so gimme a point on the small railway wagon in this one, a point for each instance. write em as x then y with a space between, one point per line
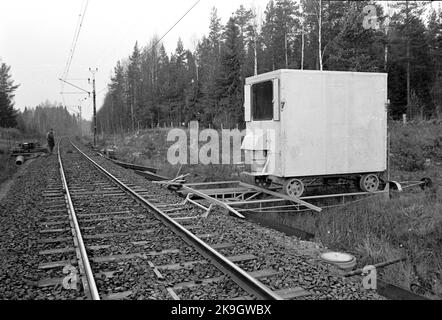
316 128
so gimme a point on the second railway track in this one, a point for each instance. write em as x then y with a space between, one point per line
139 245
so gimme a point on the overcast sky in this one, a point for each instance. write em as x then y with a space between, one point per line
36 37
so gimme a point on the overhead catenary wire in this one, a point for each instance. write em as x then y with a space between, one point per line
73 47
75 40
187 12
167 32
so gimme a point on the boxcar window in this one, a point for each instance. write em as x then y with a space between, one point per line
262 101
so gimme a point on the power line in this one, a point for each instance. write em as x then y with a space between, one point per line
72 44
73 47
76 36
158 41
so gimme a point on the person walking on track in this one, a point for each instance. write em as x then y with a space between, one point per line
51 140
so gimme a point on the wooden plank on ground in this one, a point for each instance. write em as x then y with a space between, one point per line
53 223
181 219
219 246
54 230
134 166
292 293
118 234
55 251
83 215
50 282
263 273
173 294
56 264
242 258
117 296
55 240
117 257
203 282
177 266
96 248
151 176
282 196
191 284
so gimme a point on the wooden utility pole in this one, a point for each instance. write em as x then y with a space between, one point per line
286 49
93 71
408 78
386 28
81 121
256 57
320 35
255 40
81 116
132 111
302 45
409 111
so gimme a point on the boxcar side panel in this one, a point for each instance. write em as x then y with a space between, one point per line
333 123
303 125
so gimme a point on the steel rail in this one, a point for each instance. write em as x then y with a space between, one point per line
83 253
241 277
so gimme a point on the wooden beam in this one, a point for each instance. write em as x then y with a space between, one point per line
283 196
215 201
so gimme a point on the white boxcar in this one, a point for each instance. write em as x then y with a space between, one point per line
306 126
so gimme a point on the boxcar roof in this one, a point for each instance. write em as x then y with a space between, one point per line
277 73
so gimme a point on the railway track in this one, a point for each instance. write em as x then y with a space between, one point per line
106 246
118 236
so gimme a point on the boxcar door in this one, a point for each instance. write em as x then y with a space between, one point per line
262 115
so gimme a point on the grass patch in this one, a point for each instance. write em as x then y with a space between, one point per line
413 147
149 148
376 231
7 167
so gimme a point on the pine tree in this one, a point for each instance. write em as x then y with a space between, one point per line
279 34
355 48
118 104
134 78
191 94
246 22
435 43
268 36
178 82
7 89
150 96
410 62
230 84
164 85
205 103
208 57
215 32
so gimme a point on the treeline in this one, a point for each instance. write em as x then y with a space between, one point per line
152 88
7 88
46 116
36 121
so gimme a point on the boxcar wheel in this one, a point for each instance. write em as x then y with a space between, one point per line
294 188
369 183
